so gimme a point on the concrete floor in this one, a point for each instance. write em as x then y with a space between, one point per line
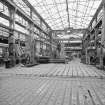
53 84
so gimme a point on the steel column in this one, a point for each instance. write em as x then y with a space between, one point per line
103 35
11 39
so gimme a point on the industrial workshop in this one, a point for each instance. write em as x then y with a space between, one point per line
52 52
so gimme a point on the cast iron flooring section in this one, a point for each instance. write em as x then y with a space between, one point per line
53 84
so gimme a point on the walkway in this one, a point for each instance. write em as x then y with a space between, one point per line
53 84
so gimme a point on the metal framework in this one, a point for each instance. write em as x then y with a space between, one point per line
23 28
61 13
94 37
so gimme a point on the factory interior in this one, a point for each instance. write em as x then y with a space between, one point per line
52 52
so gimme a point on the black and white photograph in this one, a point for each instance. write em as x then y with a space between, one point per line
52 52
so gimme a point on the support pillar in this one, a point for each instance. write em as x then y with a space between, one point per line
32 44
96 33
101 57
50 34
103 35
11 40
86 52
41 43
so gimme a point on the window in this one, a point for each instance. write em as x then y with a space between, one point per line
4 21
35 18
22 6
21 29
4 9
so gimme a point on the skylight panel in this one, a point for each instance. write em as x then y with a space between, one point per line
49 1
55 14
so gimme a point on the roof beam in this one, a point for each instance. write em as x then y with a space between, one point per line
67 9
68 2
74 31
